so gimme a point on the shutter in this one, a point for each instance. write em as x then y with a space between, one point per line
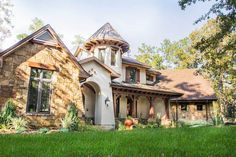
127 74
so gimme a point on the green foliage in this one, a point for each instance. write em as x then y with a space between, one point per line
43 130
217 61
5 19
8 112
78 41
36 25
177 142
150 55
18 124
71 120
178 54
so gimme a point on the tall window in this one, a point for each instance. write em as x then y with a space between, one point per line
184 106
101 55
113 57
39 91
132 75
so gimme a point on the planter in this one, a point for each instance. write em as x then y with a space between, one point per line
128 124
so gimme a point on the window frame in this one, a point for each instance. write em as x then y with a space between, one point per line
137 74
184 104
197 105
41 81
113 52
149 76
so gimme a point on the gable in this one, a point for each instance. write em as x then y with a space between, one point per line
45 36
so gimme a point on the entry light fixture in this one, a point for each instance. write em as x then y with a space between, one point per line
107 101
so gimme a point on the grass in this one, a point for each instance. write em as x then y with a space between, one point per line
179 142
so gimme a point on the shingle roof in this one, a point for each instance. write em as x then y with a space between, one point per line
147 88
186 81
131 61
106 34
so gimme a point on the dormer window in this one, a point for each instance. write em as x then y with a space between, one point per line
132 75
149 77
101 55
113 57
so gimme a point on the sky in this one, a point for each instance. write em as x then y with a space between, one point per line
137 21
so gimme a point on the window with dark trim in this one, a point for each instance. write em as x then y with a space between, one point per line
113 57
149 77
184 106
199 107
39 91
132 75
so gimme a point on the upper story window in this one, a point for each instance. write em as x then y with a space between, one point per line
132 75
39 91
101 55
149 77
113 57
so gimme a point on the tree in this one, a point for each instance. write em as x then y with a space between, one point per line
36 25
150 55
218 62
178 54
5 19
78 41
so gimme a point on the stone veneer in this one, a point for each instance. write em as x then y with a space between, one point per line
14 80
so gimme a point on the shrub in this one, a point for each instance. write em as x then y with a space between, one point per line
8 112
43 130
18 124
71 120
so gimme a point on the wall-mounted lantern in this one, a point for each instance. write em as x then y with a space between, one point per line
107 101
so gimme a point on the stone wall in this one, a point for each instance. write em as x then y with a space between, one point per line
14 81
192 114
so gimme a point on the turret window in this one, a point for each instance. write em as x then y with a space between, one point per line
113 57
101 55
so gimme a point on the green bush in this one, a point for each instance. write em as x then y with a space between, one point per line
43 130
18 123
8 112
71 120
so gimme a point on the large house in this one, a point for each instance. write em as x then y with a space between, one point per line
43 77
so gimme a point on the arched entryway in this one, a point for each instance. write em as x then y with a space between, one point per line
91 98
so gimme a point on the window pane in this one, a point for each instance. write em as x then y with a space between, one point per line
33 96
45 97
132 75
113 57
35 73
47 74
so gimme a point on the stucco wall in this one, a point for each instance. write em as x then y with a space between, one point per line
143 107
89 104
159 107
14 80
100 79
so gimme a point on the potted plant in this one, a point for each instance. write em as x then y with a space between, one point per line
129 123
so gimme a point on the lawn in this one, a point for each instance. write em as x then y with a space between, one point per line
208 141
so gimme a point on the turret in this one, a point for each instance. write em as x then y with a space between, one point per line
108 46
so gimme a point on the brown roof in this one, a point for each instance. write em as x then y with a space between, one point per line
106 34
186 81
131 61
114 74
83 73
145 88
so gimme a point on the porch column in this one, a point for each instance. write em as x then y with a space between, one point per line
166 101
151 107
134 113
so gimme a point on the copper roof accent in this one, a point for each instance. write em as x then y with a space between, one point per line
106 35
145 88
131 61
114 74
83 73
187 81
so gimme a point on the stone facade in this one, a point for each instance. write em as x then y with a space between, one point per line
191 113
15 75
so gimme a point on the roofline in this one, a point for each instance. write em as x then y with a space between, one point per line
113 73
151 90
193 100
7 51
